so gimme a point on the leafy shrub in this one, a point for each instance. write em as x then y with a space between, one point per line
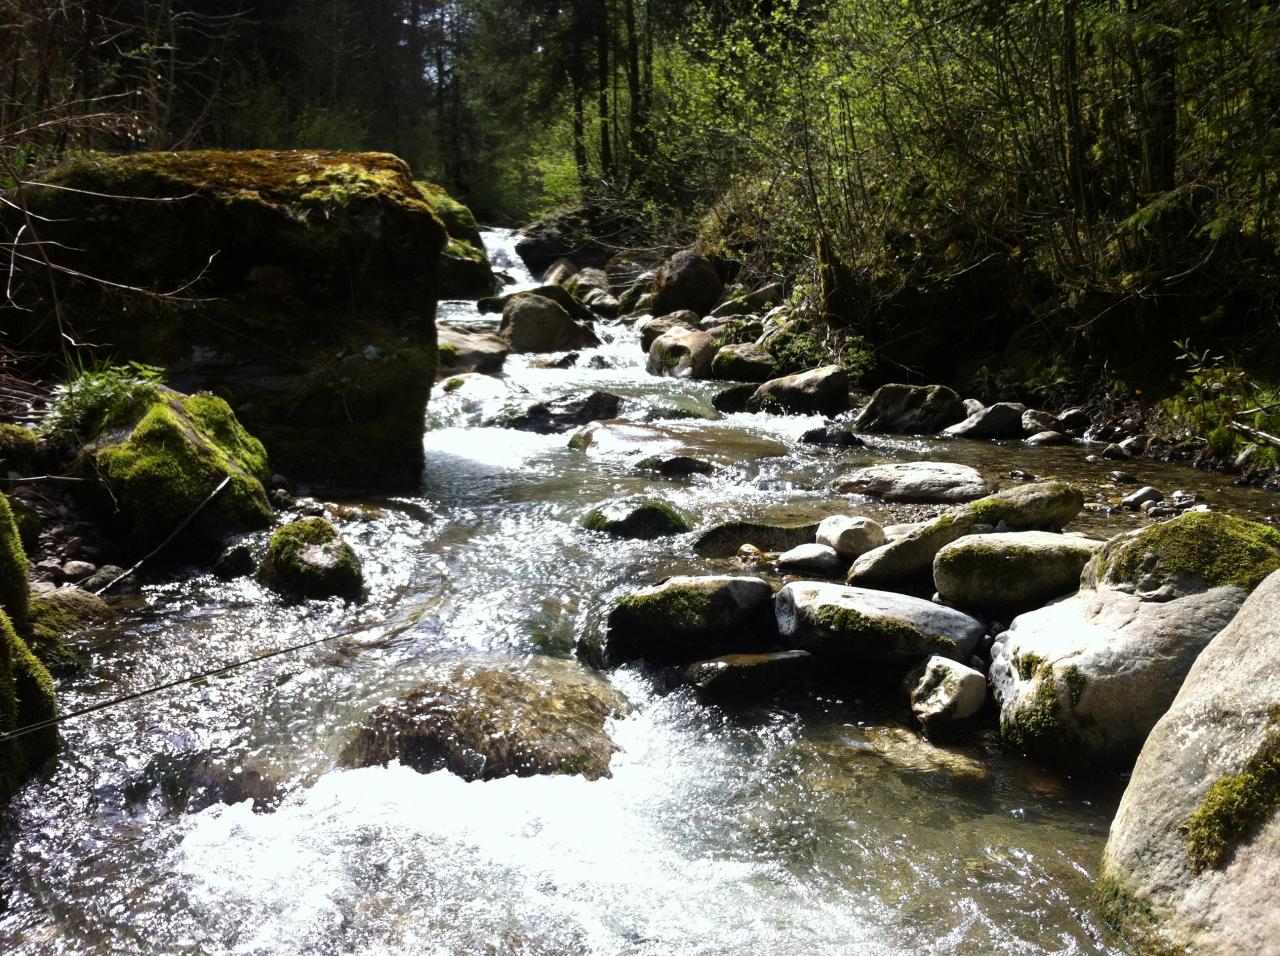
97 398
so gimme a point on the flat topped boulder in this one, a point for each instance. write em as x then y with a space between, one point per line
915 481
859 624
482 720
910 410
725 540
625 439
819 391
465 351
1010 572
314 314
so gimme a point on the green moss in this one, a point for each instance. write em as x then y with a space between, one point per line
309 559
644 521
577 442
458 219
26 698
55 616
18 446
175 455
1076 682
1028 665
449 354
1037 728
673 608
1131 917
14 586
1216 548
1236 806
893 638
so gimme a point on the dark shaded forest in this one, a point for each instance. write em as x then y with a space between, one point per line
1011 196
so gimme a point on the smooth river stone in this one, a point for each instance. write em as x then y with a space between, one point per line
916 481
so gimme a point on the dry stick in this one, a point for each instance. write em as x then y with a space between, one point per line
1254 434
176 531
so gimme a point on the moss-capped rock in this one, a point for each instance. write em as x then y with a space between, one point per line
458 219
158 468
1193 552
643 520
54 616
26 690
18 446
313 313
463 271
309 559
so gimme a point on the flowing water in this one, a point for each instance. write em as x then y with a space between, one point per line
215 818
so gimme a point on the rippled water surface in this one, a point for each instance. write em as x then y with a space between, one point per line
214 818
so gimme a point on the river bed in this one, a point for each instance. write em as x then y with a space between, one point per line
215 819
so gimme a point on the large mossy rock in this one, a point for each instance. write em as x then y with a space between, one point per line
687 619
1081 682
1193 859
907 561
643 520
463 271
160 455
307 558
18 447
26 690
999 574
313 304
485 720
56 615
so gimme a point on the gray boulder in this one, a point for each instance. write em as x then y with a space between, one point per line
820 391
651 330
1081 682
907 561
1073 421
915 481
681 353
687 280
1035 421
857 624
1010 572
850 535
688 619
557 294
462 351
742 363
1193 859
814 559
532 323
910 410
1001 420
725 540
1046 438
945 696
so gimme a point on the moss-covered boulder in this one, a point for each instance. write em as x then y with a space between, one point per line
159 455
1082 681
486 720
1193 859
26 690
57 615
463 271
313 304
1000 574
309 559
687 619
1188 554
644 520
18 447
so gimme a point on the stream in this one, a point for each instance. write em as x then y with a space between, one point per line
214 818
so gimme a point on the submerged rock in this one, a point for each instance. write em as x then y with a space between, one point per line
833 433
857 624
726 540
750 677
910 410
1193 859
915 481
483 720
688 619
1010 572
733 399
307 558
644 521
819 391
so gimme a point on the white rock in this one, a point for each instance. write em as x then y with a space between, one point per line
850 535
